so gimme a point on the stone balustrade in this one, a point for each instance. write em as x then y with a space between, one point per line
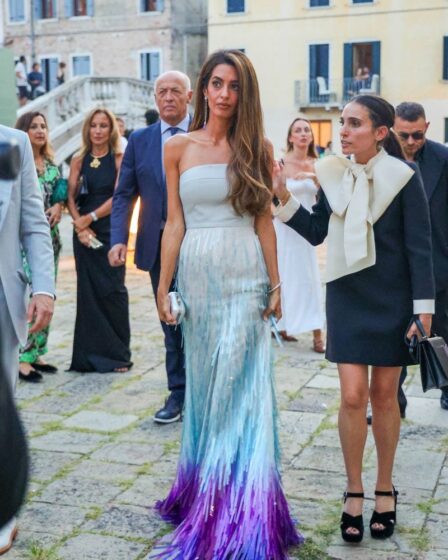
66 106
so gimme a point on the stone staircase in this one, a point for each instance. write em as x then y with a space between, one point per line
66 106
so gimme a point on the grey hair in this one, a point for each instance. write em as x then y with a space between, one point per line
175 73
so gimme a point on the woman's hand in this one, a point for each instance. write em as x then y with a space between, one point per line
85 235
426 320
274 306
54 214
279 183
82 222
163 306
301 175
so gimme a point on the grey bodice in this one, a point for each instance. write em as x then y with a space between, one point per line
203 191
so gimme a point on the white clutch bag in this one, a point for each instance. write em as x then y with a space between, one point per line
177 307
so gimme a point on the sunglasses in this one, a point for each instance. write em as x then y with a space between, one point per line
415 135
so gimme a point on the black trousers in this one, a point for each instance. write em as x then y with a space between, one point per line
439 327
175 361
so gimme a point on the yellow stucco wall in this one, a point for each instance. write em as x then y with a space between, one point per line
276 36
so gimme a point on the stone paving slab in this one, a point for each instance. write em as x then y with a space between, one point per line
129 453
106 471
68 441
100 547
146 491
54 519
46 464
79 491
99 421
126 521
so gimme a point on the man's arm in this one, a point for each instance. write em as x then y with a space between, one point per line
122 204
36 242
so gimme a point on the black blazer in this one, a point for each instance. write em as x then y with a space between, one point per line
403 228
432 160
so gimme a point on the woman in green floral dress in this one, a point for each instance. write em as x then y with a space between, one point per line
54 192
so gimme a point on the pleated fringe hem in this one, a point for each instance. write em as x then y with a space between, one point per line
235 522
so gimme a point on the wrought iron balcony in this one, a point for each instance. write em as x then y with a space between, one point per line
321 92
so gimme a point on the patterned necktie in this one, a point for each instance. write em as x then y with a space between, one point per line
174 130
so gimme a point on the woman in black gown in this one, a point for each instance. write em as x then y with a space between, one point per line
102 332
379 274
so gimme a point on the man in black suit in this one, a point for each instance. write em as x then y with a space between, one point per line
432 160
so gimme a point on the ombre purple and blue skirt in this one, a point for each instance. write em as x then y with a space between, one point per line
227 500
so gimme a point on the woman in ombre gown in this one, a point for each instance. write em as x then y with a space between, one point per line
227 498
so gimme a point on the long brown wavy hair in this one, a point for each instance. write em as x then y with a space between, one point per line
311 148
24 123
114 139
250 167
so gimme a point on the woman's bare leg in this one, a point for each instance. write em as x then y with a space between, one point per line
354 381
386 429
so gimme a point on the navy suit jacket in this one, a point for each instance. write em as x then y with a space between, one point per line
432 160
141 174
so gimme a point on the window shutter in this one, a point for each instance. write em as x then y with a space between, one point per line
90 7
16 10
159 5
313 62
154 66
445 58
55 9
348 60
69 8
376 58
316 3
235 6
37 6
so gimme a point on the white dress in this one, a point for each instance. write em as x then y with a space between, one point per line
302 306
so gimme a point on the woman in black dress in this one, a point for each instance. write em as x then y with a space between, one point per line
102 332
379 274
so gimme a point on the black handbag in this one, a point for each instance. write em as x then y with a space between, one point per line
13 455
432 355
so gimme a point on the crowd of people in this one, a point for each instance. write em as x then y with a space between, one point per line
31 85
231 230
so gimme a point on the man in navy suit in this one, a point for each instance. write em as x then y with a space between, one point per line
432 160
142 174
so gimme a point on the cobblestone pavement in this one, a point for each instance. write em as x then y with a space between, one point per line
99 461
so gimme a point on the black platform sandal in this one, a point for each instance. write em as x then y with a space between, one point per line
387 519
352 521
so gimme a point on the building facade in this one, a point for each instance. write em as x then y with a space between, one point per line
312 56
126 38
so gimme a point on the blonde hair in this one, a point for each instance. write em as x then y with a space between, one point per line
250 166
24 123
114 138
311 152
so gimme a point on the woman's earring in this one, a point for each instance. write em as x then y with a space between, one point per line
205 110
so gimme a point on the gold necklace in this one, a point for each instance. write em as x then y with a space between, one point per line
95 163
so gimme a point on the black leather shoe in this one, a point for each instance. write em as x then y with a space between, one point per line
32 377
46 368
171 412
402 402
444 399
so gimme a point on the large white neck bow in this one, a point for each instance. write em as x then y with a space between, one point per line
358 196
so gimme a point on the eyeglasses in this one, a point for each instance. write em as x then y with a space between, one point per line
415 135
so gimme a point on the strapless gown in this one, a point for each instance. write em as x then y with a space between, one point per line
227 498
302 306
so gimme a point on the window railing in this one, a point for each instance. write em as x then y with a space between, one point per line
321 92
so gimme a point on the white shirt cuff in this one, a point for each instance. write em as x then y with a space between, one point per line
424 306
44 294
286 212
